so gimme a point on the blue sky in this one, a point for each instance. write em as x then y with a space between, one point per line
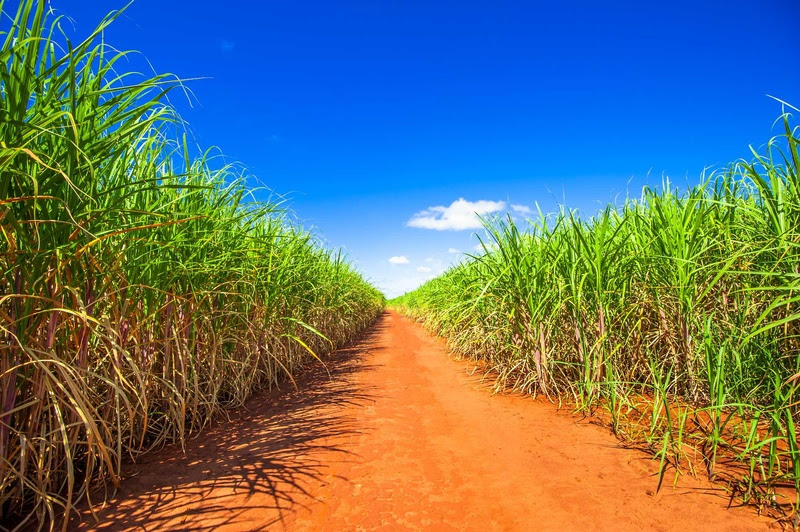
387 123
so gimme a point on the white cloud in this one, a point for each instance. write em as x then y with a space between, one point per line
489 246
460 215
402 259
522 209
405 279
453 250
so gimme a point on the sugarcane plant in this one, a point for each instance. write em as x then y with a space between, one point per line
143 286
675 312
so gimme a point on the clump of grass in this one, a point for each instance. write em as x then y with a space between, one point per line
141 290
673 307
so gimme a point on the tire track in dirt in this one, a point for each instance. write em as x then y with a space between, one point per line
401 437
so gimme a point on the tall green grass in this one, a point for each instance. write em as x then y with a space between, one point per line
141 291
676 312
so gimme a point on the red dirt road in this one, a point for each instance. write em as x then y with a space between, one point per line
401 437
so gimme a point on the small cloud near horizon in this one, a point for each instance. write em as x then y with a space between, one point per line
453 250
400 259
460 215
522 209
423 269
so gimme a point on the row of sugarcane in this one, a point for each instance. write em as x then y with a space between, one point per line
675 312
142 288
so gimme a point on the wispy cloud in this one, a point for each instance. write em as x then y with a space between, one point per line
460 215
400 259
453 250
522 209
488 246
225 45
403 279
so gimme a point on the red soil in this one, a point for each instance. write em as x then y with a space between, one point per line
400 437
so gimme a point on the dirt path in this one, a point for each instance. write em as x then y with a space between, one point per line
402 438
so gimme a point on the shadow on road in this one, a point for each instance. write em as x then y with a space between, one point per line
278 448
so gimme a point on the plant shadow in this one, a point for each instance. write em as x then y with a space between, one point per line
266 462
